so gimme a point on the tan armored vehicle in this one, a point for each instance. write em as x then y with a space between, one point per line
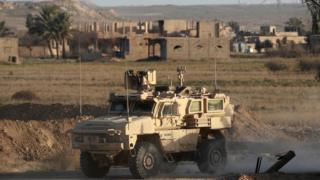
152 130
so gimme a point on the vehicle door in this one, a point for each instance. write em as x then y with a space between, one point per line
168 115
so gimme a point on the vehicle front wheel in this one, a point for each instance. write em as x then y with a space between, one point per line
90 167
212 156
146 162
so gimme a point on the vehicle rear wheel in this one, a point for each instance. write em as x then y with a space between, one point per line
147 161
212 156
90 167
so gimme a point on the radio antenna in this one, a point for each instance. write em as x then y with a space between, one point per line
127 94
215 74
181 70
80 79
215 67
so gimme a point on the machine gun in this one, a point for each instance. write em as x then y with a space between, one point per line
141 81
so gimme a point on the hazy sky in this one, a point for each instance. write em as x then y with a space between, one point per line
177 2
182 2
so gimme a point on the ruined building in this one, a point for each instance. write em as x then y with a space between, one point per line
9 50
164 39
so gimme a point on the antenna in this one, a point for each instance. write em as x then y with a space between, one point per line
127 91
127 84
215 74
80 81
181 70
215 67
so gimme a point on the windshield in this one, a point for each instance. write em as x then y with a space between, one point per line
118 107
136 107
143 107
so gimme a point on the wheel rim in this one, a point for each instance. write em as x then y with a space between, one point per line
148 161
215 157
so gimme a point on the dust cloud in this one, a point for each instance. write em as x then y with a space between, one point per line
244 160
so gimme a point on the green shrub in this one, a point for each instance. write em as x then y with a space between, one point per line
309 65
276 66
24 96
286 52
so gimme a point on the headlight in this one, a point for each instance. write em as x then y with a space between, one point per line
113 132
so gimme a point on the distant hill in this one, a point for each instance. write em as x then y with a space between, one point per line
14 13
251 16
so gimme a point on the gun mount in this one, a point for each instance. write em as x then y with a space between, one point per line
142 81
181 70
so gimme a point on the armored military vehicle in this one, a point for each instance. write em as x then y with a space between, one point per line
156 127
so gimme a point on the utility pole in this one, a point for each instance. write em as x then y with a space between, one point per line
80 72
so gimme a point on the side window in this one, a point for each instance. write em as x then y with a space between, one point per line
170 110
195 107
215 105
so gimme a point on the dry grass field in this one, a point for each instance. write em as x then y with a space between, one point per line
288 97
275 107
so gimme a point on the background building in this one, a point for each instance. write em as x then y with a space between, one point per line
9 50
164 39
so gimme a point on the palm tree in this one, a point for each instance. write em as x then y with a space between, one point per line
43 24
63 31
4 31
235 26
295 24
52 24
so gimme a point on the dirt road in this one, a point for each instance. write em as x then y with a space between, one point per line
119 173
123 173
183 171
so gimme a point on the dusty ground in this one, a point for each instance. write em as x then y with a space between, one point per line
276 112
121 173
41 148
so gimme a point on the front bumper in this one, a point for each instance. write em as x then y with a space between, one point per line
114 147
98 142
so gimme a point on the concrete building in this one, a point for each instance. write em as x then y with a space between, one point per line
268 30
244 48
271 35
275 37
164 39
6 5
40 49
289 36
9 50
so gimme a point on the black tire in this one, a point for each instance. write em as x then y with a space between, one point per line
212 156
147 161
90 168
